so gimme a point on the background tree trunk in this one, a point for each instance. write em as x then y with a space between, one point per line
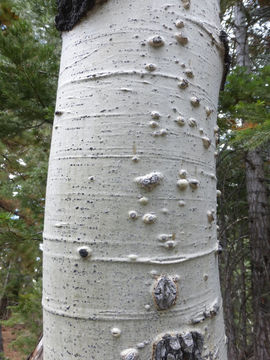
241 34
1 343
228 288
259 225
130 248
260 250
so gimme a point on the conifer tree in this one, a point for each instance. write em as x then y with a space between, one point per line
28 72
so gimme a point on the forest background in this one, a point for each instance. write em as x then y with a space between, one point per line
29 62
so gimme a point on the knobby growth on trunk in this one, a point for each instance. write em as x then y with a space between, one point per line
130 246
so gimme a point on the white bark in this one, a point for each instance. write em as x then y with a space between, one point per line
132 181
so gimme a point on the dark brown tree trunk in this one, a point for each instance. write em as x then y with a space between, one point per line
243 303
1 343
227 285
4 311
229 322
260 252
259 228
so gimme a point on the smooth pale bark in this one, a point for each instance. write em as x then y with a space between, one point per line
258 213
132 181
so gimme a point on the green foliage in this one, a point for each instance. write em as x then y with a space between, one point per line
22 192
29 62
2 357
245 107
233 234
28 312
244 122
257 16
28 70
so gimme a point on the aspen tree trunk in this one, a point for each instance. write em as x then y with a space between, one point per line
130 248
258 210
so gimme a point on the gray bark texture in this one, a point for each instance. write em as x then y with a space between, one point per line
1 341
130 243
260 251
241 36
259 220
185 347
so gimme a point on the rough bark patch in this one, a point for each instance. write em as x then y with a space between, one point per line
165 293
227 58
149 181
70 13
179 347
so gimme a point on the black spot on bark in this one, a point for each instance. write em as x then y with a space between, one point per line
179 347
165 293
219 249
70 13
83 253
58 113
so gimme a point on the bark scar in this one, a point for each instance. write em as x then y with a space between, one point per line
165 293
187 346
227 58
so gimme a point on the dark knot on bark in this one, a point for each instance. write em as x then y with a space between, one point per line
187 346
